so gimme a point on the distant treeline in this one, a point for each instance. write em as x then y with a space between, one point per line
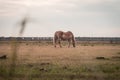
112 39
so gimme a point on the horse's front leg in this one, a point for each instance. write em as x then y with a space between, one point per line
68 43
54 43
59 43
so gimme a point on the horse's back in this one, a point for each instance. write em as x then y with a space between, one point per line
61 33
69 32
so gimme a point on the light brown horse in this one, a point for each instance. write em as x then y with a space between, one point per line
60 35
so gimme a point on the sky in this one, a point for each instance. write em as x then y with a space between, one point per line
85 18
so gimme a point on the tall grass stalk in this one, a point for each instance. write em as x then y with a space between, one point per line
15 47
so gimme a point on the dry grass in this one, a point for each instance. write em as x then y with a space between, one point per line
35 61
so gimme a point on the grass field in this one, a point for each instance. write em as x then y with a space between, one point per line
41 61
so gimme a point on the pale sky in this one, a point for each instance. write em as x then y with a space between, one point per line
85 18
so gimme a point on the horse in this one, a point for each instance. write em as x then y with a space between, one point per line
65 36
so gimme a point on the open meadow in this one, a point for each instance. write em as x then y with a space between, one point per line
41 61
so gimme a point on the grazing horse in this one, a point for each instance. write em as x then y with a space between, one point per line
60 35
